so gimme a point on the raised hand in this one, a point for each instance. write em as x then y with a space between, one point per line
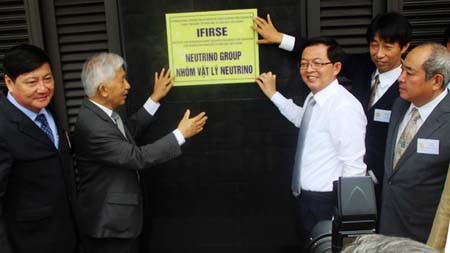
163 82
267 30
268 83
192 126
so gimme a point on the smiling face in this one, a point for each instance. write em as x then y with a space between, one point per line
320 76
115 92
33 90
386 55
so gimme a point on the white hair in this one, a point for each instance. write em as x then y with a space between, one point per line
386 244
100 68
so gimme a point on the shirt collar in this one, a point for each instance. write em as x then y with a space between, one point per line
426 109
387 78
103 108
29 113
322 96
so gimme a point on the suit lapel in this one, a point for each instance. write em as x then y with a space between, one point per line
391 92
439 116
24 124
100 113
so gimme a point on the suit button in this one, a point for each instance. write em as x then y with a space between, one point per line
77 179
390 182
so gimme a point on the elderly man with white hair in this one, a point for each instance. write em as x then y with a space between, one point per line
109 161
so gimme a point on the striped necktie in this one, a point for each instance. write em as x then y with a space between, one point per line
373 93
45 127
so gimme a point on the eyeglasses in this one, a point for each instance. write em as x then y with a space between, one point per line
314 64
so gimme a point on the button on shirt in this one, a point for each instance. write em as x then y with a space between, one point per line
334 144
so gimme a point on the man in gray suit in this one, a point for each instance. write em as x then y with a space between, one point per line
109 161
418 144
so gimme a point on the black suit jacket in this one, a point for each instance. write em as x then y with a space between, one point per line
109 192
36 186
359 68
412 191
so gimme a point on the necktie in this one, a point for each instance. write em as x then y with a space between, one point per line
373 93
406 136
45 127
295 184
119 123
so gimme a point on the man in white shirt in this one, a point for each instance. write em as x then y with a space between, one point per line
332 129
373 76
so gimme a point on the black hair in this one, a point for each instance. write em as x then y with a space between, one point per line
334 51
391 27
22 59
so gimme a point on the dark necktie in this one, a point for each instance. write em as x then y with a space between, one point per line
45 127
295 184
373 93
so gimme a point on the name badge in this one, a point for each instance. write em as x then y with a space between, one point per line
382 115
428 146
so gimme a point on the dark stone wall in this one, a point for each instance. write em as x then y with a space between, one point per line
230 190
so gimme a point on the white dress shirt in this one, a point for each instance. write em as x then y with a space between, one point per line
287 42
151 107
424 111
334 143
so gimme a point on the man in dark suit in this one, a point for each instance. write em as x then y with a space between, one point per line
109 161
36 172
418 144
373 76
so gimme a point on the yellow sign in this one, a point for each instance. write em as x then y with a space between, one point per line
212 47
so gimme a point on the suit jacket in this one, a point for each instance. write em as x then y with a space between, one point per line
36 187
359 69
412 191
109 192
439 230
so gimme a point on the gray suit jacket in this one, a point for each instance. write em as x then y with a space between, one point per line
109 191
411 191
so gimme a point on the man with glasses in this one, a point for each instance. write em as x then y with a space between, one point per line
328 117
373 76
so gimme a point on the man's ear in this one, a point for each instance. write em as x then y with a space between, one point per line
9 83
337 66
405 47
438 83
102 90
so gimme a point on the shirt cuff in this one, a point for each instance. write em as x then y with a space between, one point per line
287 42
278 99
151 107
179 136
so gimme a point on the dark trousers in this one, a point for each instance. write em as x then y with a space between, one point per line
312 207
111 245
